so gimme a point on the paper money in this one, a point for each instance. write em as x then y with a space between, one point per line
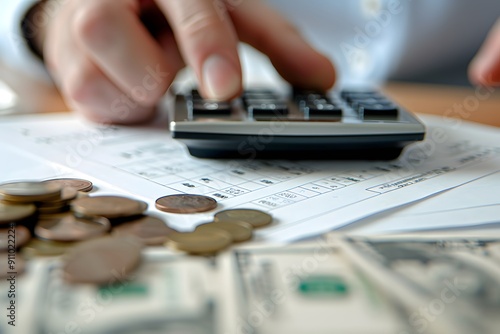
445 282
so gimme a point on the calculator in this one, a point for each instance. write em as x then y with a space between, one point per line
303 124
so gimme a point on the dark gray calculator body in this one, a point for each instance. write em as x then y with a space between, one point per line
306 125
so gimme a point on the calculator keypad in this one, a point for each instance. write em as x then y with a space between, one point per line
305 106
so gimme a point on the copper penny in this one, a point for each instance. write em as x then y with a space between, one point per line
70 228
14 237
102 261
185 203
110 207
151 231
77 184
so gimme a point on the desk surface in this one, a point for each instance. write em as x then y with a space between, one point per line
482 106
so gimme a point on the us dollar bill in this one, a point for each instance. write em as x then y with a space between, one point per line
446 281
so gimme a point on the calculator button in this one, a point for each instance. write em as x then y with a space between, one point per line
316 97
257 91
267 101
259 96
367 98
377 104
321 110
370 100
204 108
267 109
357 94
378 110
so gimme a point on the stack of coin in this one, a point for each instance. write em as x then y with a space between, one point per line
49 197
99 234
59 205
228 227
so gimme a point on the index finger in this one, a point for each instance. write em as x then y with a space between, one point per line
291 55
208 43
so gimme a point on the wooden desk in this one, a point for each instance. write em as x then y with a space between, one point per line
33 96
475 105
478 106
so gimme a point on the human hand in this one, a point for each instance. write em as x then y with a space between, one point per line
485 68
114 59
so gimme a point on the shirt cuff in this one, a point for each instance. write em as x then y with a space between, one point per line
14 49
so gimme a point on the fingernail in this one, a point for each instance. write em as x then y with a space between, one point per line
220 79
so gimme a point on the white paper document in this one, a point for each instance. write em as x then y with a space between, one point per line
304 197
473 204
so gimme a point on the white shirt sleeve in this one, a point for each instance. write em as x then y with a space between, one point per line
14 51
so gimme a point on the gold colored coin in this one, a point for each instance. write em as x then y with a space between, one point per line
37 247
12 212
255 218
76 184
27 192
110 207
200 242
70 228
102 261
16 239
151 231
185 203
239 231
11 263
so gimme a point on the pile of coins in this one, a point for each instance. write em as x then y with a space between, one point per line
102 235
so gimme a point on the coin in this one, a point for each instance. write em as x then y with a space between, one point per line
70 228
239 231
255 218
47 210
197 242
16 239
102 261
13 213
67 195
26 192
151 231
185 203
11 264
110 207
37 247
77 184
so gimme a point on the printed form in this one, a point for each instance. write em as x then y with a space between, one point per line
304 197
